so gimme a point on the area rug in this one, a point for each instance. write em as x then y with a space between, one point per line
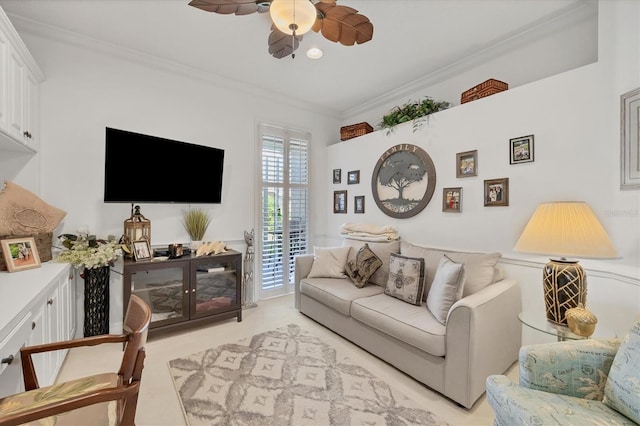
287 377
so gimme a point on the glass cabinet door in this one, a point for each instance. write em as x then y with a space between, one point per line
165 292
214 285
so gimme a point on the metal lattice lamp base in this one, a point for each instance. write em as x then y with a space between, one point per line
565 286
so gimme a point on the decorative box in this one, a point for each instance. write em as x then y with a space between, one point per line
487 88
354 130
43 243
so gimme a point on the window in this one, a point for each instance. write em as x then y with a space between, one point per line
284 207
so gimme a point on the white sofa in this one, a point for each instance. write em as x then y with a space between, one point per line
481 336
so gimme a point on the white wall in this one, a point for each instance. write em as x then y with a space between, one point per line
574 117
88 89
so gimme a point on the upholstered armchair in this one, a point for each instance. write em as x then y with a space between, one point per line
582 382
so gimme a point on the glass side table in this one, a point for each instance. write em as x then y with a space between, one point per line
540 323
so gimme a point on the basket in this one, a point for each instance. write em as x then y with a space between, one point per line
354 130
43 243
484 89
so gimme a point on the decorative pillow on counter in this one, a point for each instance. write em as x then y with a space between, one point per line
363 266
329 262
406 278
621 388
24 213
446 289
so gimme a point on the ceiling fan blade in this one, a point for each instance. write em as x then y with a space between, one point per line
342 24
281 44
226 7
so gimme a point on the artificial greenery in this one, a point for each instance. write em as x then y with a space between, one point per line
196 222
412 110
87 251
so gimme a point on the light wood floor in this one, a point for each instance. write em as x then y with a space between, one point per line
158 404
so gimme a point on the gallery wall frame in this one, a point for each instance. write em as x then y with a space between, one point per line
403 181
353 177
358 204
337 175
340 201
467 164
521 149
20 254
630 140
496 192
452 199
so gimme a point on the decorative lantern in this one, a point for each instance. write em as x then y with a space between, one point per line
137 227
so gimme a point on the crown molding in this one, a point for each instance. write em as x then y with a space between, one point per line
82 41
570 16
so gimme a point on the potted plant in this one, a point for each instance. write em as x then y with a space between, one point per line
196 222
412 110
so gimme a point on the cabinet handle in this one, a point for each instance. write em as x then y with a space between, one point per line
193 291
186 292
33 325
8 360
50 302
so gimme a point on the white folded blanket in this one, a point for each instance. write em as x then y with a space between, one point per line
368 232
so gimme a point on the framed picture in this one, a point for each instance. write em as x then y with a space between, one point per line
403 181
339 201
630 140
20 254
358 204
496 192
467 164
353 177
521 150
337 175
452 199
141 250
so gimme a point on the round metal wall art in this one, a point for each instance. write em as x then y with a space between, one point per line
403 181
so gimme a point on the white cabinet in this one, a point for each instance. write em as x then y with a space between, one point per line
20 80
48 316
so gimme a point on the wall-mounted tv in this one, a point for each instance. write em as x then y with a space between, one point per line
148 169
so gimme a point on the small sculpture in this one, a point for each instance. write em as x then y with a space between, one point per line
214 247
247 281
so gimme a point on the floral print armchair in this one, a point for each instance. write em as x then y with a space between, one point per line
582 382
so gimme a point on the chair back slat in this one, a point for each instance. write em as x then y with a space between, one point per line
136 325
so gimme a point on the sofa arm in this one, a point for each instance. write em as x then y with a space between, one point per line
483 336
302 267
577 368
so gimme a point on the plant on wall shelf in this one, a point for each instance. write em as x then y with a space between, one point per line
196 222
416 111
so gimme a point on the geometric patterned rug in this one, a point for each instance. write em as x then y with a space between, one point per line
287 376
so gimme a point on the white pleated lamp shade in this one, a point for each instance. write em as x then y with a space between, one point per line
566 229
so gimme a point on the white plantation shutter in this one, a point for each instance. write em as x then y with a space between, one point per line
284 201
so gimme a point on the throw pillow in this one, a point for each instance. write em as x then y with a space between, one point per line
621 388
329 262
24 213
382 249
446 289
406 278
363 266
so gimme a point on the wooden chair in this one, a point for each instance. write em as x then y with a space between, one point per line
101 399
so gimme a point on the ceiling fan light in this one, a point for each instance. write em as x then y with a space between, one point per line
288 15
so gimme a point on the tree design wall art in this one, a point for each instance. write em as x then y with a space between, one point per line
403 181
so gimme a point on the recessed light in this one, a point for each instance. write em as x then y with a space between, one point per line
315 53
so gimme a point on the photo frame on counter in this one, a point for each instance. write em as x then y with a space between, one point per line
20 254
142 250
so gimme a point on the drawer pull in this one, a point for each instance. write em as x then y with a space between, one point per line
8 360
50 302
33 325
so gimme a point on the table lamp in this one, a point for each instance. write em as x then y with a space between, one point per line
567 228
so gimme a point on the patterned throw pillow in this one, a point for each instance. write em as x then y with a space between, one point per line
363 266
621 389
446 289
406 278
24 213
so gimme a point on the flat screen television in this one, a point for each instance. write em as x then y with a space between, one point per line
148 169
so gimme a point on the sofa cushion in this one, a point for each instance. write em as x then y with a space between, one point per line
406 278
363 266
622 387
329 262
446 288
382 249
335 293
414 325
480 267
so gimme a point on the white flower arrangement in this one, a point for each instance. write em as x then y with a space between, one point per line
87 251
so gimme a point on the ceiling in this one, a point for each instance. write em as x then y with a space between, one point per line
412 39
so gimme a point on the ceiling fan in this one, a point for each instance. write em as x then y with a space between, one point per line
292 18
